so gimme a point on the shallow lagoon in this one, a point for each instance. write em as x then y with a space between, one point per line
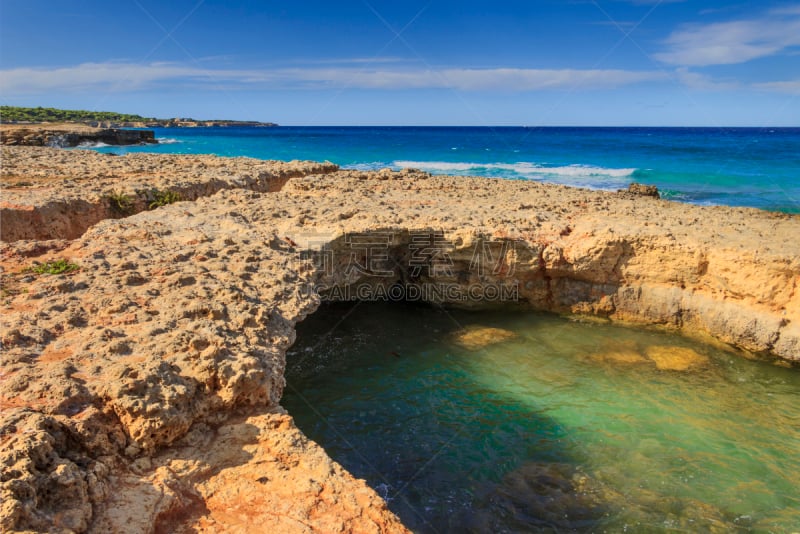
566 425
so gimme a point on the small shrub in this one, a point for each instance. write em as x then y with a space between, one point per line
120 203
162 198
54 267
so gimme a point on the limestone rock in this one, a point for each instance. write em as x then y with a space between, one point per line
644 190
80 188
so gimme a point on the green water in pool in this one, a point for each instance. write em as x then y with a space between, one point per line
533 422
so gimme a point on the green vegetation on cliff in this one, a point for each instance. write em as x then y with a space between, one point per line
110 119
18 114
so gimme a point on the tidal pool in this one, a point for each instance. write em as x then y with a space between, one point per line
513 422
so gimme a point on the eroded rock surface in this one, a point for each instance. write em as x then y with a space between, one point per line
255 473
157 366
58 194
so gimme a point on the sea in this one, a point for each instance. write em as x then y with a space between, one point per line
753 167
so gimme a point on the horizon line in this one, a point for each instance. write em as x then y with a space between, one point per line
519 126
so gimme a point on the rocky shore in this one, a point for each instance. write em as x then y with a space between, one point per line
140 388
70 135
57 194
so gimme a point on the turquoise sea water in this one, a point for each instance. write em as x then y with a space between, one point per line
738 167
542 432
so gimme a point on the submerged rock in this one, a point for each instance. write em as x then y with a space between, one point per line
669 358
561 497
477 337
619 356
540 496
665 357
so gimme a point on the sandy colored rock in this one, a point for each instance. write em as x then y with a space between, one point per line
644 190
476 337
178 320
252 474
59 194
669 358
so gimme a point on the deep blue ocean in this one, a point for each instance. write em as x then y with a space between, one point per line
757 167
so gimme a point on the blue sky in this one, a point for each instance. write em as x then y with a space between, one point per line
535 62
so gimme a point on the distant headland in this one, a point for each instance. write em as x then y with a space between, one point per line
70 128
109 119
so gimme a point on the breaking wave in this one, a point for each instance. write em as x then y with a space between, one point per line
520 169
92 144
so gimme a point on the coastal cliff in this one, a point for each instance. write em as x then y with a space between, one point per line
71 135
155 363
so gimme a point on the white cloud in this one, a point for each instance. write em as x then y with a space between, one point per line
703 82
123 77
502 79
790 86
725 43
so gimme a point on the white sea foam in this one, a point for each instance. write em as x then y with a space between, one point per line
520 169
169 141
92 144
372 166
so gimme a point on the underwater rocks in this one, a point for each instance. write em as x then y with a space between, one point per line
560 497
675 358
664 357
624 356
476 337
544 496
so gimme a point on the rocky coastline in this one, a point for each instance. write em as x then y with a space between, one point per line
71 135
181 123
140 388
